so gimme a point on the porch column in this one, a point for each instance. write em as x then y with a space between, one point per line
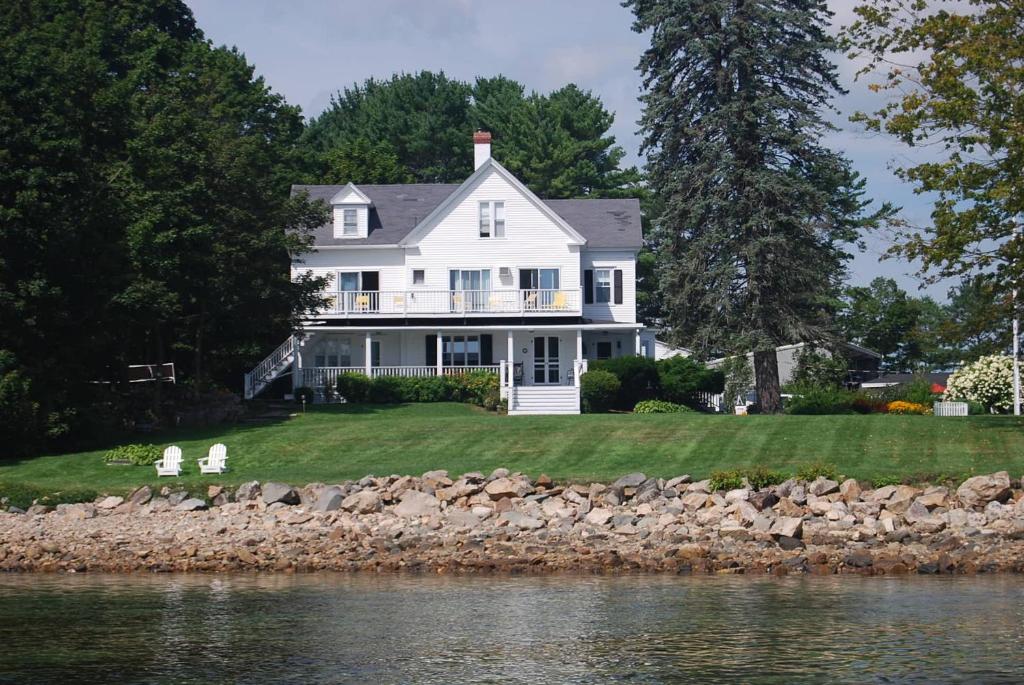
637 343
511 356
369 355
297 367
440 354
579 343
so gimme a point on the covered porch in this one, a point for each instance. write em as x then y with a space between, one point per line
529 355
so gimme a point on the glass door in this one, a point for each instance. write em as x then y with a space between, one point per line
469 289
546 370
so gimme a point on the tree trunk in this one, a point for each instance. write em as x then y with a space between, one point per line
766 381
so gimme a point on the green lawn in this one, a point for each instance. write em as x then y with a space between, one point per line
339 442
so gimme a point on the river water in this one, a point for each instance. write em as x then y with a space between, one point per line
328 628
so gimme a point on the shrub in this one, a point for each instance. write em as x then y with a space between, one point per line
19 415
681 378
304 393
882 481
976 408
988 381
813 470
386 390
23 495
429 389
660 407
354 387
599 389
917 391
638 378
757 477
817 399
492 400
864 403
136 454
900 407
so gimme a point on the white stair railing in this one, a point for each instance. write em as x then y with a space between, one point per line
268 369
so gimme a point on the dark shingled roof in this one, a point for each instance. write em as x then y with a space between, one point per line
398 208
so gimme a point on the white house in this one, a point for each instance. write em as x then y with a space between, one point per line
434 279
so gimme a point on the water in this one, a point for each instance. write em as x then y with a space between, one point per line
328 628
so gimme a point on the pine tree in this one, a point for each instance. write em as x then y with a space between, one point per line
758 213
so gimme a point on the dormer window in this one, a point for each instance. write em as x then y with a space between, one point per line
350 222
492 219
351 213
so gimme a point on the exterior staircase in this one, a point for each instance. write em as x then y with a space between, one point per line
543 399
270 369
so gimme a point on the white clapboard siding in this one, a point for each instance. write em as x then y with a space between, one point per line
540 399
613 259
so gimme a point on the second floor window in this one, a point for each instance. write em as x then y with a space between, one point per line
350 222
492 219
602 285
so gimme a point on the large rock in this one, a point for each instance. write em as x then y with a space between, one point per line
110 502
415 504
191 504
330 499
788 526
141 495
980 490
822 486
632 480
521 521
248 491
599 517
362 502
508 487
280 492
849 489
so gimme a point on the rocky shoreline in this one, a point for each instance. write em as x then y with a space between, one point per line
508 523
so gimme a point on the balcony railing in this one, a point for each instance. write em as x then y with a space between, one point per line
458 302
327 376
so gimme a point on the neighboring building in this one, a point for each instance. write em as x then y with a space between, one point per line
663 350
863 363
937 380
440 279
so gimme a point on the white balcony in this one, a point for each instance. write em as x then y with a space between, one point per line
456 303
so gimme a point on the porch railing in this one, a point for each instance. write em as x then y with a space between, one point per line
414 302
327 376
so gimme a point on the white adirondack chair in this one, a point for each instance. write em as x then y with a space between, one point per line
170 465
216 461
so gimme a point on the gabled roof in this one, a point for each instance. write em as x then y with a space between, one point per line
399 208
346 192
490 165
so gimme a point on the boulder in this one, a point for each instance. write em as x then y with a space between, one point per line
934 497
850 490
191 504
787 526
110 502
787 543
822 486
459 518
415 504
247 491
700 486
362 502
648 491
508 487
679 480
980 490
330 499
499 473
141 495
632 480
599 517
214 491
694 500
544 481
176 498
521 521
436 479
916 512
798 494
764 499
279 492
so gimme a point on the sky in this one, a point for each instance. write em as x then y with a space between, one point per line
308 50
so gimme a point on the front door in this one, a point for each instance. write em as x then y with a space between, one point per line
546 370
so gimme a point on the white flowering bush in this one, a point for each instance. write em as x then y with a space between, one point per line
988 381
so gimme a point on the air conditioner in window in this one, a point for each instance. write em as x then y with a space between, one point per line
505 272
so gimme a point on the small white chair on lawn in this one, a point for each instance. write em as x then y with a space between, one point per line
216 461
170 465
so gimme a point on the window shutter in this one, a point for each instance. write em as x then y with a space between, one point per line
486 349
618 286
588 286
431 351
371 280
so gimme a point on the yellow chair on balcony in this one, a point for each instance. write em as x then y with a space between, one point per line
399 303
559 301
531 301
457 302
362 303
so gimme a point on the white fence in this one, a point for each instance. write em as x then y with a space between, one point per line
950 408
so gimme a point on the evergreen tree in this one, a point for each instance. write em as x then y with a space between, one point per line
757 212
417 128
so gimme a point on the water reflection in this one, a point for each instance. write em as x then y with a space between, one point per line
336 629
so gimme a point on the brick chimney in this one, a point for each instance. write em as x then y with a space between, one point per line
481 148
